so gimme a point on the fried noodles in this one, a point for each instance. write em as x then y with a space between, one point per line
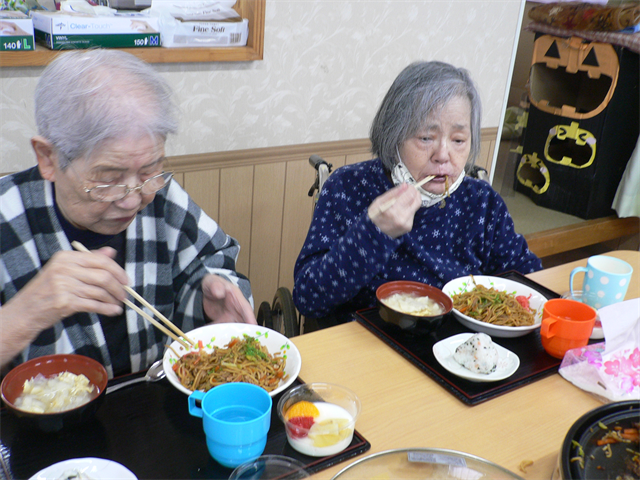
493 306
241 360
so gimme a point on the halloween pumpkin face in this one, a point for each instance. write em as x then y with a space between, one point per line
533 173
572 77
570 145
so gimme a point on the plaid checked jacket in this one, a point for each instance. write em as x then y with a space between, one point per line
170 246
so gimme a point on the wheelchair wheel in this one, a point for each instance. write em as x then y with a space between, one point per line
283 313
264 315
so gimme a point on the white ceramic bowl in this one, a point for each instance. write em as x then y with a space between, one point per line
465 284
221 334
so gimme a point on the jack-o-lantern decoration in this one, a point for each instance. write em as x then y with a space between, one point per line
571 146
533 173
572 77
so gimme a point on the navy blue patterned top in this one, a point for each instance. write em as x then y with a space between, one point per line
345 257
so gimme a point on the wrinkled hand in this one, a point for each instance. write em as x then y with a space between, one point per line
393 211
72 282
223 302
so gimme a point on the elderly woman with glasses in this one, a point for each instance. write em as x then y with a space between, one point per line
103 117
374 223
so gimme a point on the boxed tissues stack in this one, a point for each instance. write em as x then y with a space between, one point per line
16 31
185 23
81 25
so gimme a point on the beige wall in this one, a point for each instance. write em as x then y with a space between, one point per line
326 66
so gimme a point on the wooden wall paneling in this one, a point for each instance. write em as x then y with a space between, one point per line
487 148
266 231
204 188
236 201
297 211
486 154
358 157
179 177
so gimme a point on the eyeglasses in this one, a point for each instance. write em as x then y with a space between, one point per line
113 193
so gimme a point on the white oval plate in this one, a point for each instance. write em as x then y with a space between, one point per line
508 362
95 468
221 334
465 284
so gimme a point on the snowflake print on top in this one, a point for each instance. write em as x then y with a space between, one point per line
473 233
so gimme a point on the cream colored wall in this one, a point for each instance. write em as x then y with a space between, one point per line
326 66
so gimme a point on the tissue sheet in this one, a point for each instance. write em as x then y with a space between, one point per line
609 370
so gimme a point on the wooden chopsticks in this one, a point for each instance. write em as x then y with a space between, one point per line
176 334
388 204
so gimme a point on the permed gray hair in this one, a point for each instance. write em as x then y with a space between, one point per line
85 98
420 89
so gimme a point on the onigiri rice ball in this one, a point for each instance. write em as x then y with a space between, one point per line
477 354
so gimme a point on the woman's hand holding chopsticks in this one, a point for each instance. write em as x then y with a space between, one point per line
393 211
223 302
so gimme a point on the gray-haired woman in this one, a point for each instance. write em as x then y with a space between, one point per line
373 224
103 118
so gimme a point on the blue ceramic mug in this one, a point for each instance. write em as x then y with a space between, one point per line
236 418
606 280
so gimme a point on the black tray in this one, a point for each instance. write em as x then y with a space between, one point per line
147 428
417 347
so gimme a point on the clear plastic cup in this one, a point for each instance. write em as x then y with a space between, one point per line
328 427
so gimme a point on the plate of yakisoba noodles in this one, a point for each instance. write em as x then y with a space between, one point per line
232 352
496 306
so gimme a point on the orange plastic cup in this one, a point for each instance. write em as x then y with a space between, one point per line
566 324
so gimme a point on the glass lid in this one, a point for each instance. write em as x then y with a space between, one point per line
421 463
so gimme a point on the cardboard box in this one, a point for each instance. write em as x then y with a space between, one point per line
177 33
581 134
124 30
16 32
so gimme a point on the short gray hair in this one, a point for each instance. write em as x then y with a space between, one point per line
85 98
420 89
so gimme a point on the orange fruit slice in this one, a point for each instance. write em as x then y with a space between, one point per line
302 409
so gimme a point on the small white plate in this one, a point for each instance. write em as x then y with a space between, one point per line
508 362
466 284
95 468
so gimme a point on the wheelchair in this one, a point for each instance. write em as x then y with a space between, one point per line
281 315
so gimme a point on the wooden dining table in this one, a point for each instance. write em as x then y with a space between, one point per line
404 408
147 428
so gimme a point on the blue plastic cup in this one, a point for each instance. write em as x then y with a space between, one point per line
236 418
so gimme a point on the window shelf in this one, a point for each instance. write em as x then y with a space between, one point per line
252 10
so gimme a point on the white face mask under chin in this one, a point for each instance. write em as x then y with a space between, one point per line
400 174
